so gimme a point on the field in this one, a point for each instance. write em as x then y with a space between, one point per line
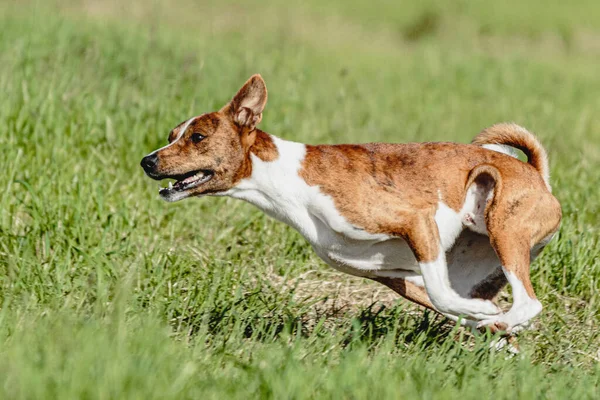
107 292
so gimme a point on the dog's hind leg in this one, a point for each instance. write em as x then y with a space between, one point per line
516 226
515 266
424 240
412 288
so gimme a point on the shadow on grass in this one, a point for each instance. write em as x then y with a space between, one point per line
260 316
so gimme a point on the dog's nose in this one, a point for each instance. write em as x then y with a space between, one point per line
149 162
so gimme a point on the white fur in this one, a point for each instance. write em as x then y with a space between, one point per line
523 309
501 148
449 224
473 210
409 276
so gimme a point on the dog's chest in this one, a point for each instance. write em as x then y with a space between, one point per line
340 244
349 248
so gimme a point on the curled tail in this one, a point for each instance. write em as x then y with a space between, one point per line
516 136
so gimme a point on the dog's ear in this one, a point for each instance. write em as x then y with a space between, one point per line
247 105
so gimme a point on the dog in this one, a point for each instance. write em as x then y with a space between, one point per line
445 225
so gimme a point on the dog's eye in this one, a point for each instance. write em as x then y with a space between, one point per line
196 137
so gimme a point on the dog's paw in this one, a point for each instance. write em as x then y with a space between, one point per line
485 309
476 309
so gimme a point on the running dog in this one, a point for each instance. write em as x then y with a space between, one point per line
445 225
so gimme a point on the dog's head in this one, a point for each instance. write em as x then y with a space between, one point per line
209 154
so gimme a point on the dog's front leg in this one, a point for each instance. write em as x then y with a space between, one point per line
408 288
445 299
423 238
414 290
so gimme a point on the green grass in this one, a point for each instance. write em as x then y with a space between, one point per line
108 292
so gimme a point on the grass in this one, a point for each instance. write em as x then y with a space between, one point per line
107 292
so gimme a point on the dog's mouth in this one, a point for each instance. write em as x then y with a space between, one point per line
185 182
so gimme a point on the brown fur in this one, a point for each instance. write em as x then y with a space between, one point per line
263 147
408 290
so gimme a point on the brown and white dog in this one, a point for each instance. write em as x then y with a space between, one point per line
445 225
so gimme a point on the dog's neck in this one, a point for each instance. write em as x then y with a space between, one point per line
274 184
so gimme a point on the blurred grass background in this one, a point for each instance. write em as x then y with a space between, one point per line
107 292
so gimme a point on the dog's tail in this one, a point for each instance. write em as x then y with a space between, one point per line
509 134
